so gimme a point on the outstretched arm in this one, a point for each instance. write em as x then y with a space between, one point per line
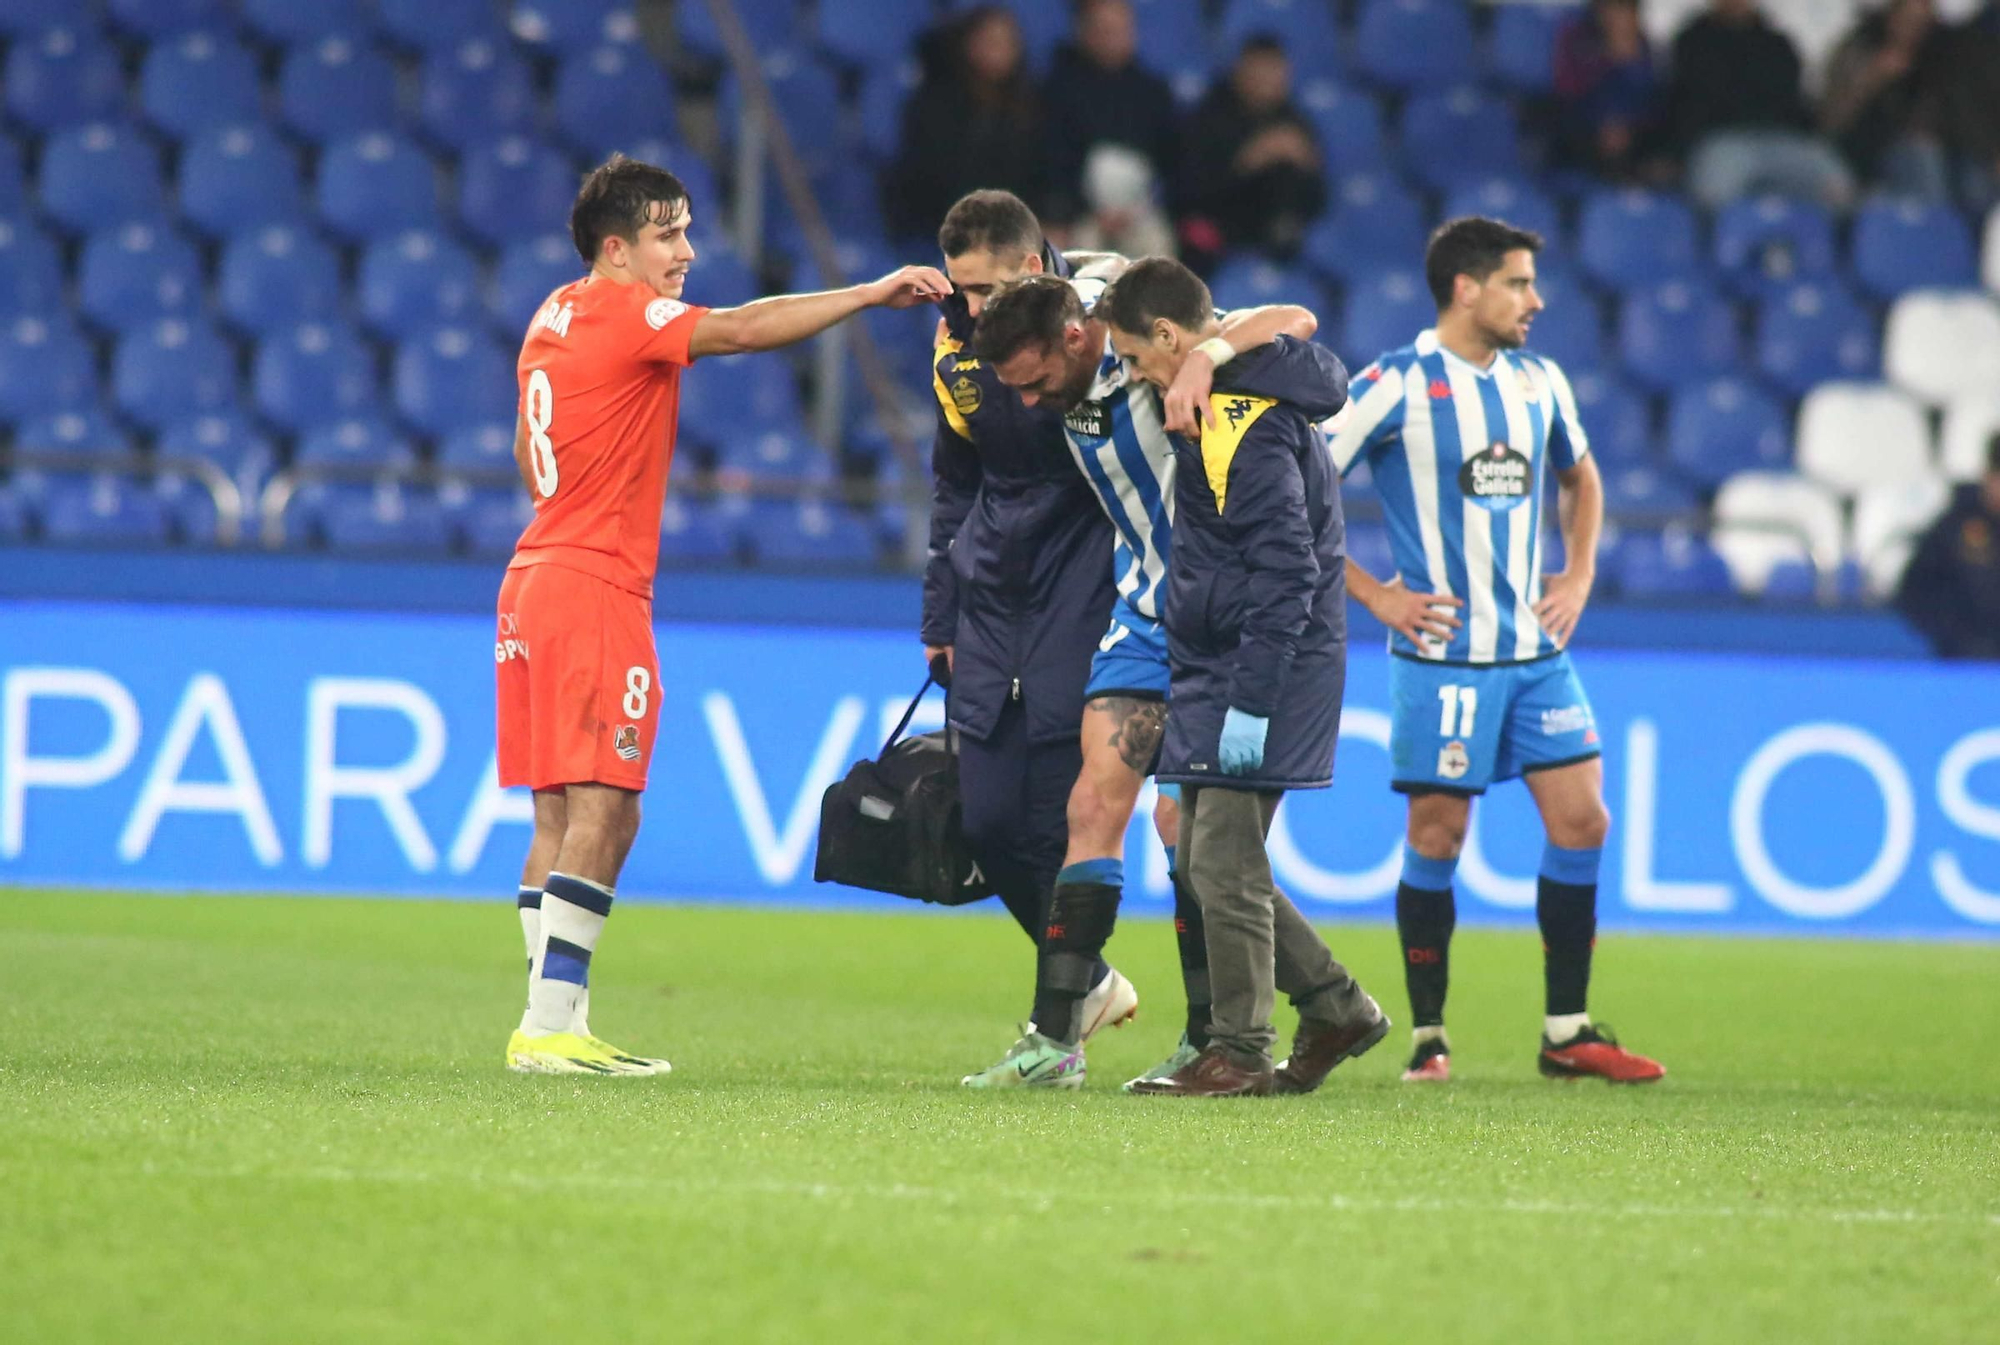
785 319
1186 404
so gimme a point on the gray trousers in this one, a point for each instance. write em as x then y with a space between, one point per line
1258 943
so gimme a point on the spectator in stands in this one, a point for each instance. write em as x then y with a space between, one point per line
1609 85
1739 115
1951 590
1877 105
1098 95
1968 105
975 121
1252 175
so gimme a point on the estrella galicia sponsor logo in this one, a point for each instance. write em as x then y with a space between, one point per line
965 395
1497 476
1088 420
1569 719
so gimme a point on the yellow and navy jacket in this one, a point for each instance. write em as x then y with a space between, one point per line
1019 574
1257 586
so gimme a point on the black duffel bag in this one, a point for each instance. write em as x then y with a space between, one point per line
893 825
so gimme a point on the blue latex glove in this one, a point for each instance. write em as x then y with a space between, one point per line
1242 747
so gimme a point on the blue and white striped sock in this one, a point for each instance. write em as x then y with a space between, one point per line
573 915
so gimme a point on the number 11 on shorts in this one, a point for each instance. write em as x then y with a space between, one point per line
1461 703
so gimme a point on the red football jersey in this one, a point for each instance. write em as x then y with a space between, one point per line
600 375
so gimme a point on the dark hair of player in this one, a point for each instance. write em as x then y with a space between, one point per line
1156 287
1993 453
990 221
1030 311
1261 43
621 196
1474 246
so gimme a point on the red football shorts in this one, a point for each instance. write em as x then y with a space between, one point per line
579 681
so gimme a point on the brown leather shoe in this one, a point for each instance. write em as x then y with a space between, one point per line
1318 1047
1213 1073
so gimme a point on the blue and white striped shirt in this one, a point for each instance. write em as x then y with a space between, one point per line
1460 456
1119 438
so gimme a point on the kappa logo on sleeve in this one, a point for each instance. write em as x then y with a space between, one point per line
662 311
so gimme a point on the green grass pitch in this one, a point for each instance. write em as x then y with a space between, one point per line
243 1119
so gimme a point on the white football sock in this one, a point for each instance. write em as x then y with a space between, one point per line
573 911
1424 1034
1562 1027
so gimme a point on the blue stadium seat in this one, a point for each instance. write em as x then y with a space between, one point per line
852 33
1521 47
338 86
199 81
78 434
278 276
1512 199
439 25
614 94
228 440
1374 225
415 281
449 377
1675 334
1675 564
528 272
99 175
811 535
694 532
238 178
748 456
31 270
721 279
1633 239
373 186
1247 281
1312 39
1815 333
13 179
288 23
15 521
62 77
313 372
133 275
1459 135
354 447
1617 419
491 521
172 370
514 188
386 520
45 365
734 393
157 19
1409 44
474 92
704 191
1348 121
1570 331
1725 425
1767 244
1174 41
1798 581
885 88
191 511
559 27
1384 313
1905 245
774 23
35 16
804 90
483 449
102 510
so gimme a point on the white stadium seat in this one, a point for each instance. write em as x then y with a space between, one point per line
1853 435
1989 251
1969 426
1763 518
1943 344
1887 521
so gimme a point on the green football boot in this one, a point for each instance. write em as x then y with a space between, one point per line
1184 1054
1034 1061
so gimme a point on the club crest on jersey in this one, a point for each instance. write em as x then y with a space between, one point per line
1497 476
625 742
1453 760
662 311
1089 419
965 395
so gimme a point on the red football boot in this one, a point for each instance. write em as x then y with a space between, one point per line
1595 1054
1431 1063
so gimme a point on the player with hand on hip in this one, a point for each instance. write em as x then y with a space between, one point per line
578 676
1459 429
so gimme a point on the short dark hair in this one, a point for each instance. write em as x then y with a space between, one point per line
990 221
617 198
1471 245
1030 311
1993 453
1156 287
